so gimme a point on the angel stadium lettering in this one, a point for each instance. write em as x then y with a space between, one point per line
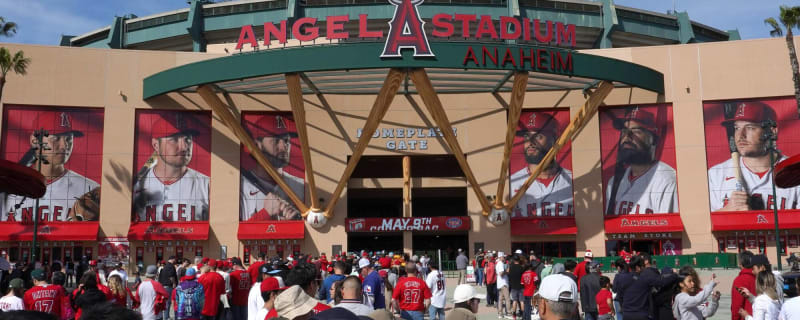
519 58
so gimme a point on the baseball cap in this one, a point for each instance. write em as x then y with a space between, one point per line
588 254
57 122
16 283
272 284
519 251
175 123
294 302
558 287
501 254
363 263
271 125
38 274
92 262
538 122
465 292
753 111
151 271
644 118
212 263
191 272
760 260
236 261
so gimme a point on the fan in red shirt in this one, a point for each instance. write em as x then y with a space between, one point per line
214 286
580 269
529 279
240 287
43 297
604 298
411 294
254 267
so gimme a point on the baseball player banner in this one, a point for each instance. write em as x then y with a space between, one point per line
71 161
551 193
173 164
261 199
637 145
113 250
737 132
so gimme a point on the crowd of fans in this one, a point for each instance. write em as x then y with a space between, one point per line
384 286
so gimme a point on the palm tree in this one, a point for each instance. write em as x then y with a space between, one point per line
790 19
7 28
19 63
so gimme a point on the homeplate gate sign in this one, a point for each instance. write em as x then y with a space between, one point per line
406 32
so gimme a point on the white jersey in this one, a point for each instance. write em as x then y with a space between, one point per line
253 199
722 181
182 200
655 191
436 282
543 198
56 203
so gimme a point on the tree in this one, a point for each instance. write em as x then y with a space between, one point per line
18 63
790 19
7 28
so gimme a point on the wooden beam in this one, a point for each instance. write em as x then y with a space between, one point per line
576 125
514 112
431 100
222 110
406 179
379 107
299 113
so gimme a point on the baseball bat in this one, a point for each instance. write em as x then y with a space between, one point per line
151 161
737 168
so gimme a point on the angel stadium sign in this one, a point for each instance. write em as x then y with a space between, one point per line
406 32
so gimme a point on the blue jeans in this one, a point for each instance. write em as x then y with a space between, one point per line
411 315
528 308
433 311
239 312
165 313
590 315
479 276
618 309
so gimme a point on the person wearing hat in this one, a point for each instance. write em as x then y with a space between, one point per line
149 290
261 199
557 298
581 269
270 289
294 304
551 193
305 275
255 268
13 299
171 191
64 186
373 285
589 287
503 294
43 297
761 264
188 297
240 287
641 183
466 302
214 287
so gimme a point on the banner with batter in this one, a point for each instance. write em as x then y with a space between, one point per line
637 144
739 174
173 163
551 193
72 161
261 199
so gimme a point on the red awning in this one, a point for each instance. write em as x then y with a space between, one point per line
195 230
643 223
21 180
50 231
754 220
272 230
543 226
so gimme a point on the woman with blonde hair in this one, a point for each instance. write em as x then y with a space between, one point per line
119 291
766 305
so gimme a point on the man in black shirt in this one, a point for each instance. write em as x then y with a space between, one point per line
168 278
590 286
515 285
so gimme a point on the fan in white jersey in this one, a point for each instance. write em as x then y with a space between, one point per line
641 184
171 191
261 199
725 193
64 186
551 193
436 282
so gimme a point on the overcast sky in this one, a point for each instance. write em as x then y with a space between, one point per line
44 21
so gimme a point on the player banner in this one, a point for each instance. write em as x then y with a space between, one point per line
738 129
637 144
173 164
261 199
72 163
551 193
113 251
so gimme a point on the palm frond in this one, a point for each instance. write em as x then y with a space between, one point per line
20 63
5 61
776 31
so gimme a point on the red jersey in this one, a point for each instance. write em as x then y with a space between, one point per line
214 286
411 293
271 314
320 307
254 272
44 298
529 279
240 287
602 298
580 271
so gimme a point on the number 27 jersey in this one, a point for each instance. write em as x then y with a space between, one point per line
411 293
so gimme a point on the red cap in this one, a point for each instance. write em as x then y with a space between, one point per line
752 111
92 262
385 263
56 122
175 123
383 273
212 263
644 118
271 284
199 265
538 122
205 260
271 125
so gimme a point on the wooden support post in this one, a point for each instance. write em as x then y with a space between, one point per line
299 114
379 107
211 98
406 179
578 122
431 100
514 112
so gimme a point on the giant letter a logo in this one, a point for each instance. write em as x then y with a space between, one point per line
405 30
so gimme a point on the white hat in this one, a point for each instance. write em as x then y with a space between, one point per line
501 254
465 292
519 251
558 287
363 263
294 302
588 254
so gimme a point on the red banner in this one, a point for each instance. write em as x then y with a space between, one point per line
50 231
407 224
272 230
754 220
643 223
195 230
543 226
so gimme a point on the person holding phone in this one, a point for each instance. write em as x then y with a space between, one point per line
766 306
690 303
